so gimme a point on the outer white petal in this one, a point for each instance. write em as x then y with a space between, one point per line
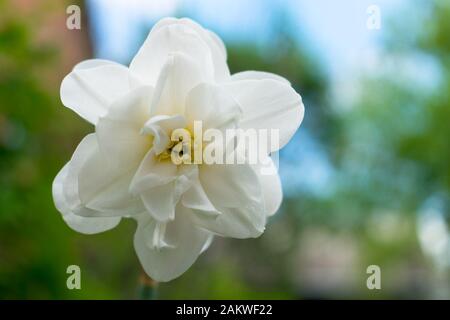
105 189
230 185
179 75
133 107
92 63
271 185
119 131
215 44
93 85
236 223
268 104
219 43
93 188
179 246
80 224
258 75
166 40
213 106
213 40
235 191
207 243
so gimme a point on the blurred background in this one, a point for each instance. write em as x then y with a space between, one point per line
366 178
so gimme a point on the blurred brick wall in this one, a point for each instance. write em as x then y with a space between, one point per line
48 19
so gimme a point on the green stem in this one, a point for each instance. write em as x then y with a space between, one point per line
148 287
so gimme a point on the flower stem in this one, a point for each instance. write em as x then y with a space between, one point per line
148 287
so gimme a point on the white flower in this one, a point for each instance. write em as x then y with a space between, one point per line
179 75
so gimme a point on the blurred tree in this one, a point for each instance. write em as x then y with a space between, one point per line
393 150
37 135
395 137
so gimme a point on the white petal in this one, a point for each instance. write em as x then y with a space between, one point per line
213 106
119 132
230 185
239 223
93 85
215 44
115 199
258 75
101 185
92 63
154 233
271 186
160 200
196 198
268 104
207 243
133 107
93 188
212 40
179 75
166 123
235 191
153 173
219 43
80 224
184 244
160 127
166 40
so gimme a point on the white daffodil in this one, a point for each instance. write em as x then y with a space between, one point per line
125 170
